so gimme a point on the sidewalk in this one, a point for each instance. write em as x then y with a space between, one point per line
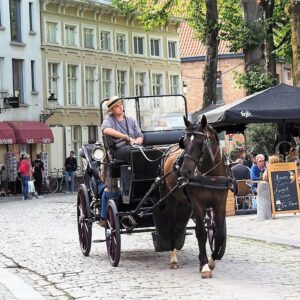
12 287
283 229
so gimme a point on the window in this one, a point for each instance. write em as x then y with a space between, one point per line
107 82
92 132
174 84
138 45
53 78
17 67
72 82
155 47
32 64
140 83
88 35
156 84
121 81
121 42
30 16
172 49
89 86
105 40
15 20
70 35
219 89
51 28
76 138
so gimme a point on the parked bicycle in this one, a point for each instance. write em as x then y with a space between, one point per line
57 180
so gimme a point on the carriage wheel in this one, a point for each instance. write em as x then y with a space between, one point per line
52 184
211 234
84 220
112 233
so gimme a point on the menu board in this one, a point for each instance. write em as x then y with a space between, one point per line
283 178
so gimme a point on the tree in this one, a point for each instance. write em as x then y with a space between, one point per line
153 13
293 9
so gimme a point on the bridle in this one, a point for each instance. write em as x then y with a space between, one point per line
204 143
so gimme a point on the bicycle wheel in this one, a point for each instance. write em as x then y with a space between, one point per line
52 184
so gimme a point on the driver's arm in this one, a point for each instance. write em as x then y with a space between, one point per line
116 134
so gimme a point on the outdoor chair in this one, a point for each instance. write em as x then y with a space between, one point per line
244 195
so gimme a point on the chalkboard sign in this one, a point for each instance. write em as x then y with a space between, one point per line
283 178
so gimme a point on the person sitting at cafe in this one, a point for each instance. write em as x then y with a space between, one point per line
273 159
256 171
293 156
240 171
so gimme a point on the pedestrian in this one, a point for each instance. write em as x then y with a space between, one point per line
38 173
26 172
71 167
124 131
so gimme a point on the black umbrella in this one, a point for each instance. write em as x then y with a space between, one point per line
273 105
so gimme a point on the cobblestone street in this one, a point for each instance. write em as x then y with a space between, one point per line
39 244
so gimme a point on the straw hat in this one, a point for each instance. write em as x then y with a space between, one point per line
112 102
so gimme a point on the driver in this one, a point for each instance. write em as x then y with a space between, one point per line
123 130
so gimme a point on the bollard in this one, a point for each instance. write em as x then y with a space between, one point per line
264 210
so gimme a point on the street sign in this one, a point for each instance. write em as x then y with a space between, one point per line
11 102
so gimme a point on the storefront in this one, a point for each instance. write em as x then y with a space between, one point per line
16 138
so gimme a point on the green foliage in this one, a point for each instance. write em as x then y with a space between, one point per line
254 80
260 138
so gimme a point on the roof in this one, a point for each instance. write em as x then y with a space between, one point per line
190 46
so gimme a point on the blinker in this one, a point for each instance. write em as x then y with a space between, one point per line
181 143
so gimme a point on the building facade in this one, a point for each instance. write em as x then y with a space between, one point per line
91 51
20 69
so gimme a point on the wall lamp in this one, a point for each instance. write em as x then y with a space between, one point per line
51 108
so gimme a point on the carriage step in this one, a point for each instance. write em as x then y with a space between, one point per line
99 241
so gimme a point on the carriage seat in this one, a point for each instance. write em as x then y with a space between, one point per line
166 137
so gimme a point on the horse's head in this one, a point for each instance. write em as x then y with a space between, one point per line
197 144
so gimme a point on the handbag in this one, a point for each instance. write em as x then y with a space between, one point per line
31 188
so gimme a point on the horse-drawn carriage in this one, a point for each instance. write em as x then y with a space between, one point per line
159 187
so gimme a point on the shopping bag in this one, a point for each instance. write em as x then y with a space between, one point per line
31 188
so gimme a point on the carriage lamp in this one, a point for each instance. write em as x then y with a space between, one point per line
51 108
98 153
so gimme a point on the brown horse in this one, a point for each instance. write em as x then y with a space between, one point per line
206 186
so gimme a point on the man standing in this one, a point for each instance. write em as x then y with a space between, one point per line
71 166
38 171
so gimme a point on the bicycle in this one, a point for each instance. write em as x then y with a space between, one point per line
56 182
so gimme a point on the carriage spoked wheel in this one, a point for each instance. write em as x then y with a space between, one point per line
211 233
112 233
84 220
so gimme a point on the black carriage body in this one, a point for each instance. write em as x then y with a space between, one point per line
136 180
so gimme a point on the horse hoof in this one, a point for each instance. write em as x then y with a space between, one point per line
174 265
206 274
211 264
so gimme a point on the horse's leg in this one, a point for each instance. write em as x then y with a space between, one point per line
174 261
202 237
219 213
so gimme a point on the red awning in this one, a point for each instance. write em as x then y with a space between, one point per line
6 134
31 132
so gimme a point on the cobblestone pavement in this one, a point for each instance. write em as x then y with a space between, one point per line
39 244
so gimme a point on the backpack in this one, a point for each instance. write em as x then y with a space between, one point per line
22 168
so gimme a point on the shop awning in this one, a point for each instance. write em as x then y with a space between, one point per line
31 132
6 134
